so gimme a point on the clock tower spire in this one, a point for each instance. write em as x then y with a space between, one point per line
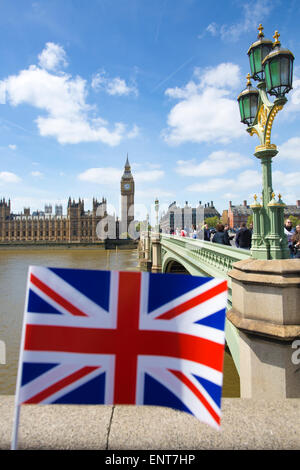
127 198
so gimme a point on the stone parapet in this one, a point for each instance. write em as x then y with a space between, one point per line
266 311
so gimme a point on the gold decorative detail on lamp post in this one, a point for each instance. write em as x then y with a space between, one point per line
260 29
273 113
276 37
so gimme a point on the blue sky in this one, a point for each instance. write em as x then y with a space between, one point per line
83 83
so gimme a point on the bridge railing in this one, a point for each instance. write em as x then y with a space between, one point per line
199 258
203 257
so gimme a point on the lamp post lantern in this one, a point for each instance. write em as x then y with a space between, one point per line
272 67
156 215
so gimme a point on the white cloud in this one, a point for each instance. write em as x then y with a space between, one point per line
52 57
111 175
211 116
63 99
206 111
286 180
293 104
107 175
245 180
217 163
290 149
212 29
254 13
12 146
145 176
153 193
224 75
134 132
36 174
8 177
113 86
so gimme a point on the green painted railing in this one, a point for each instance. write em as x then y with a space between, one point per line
202 258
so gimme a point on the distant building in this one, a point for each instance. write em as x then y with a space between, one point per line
210 210
186 217
292 210
238 214
58 209
48 209
77 226
225 218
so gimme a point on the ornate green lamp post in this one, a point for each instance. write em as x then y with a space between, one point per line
272 67
156 215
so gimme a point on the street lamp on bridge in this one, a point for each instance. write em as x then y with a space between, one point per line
272 67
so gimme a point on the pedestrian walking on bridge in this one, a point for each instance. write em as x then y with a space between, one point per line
243 237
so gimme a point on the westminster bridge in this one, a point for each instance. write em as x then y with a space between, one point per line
263 309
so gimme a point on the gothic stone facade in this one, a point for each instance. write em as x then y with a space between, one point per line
78 226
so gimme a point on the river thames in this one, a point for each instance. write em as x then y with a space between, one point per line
14 265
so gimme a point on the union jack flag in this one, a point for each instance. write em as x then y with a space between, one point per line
109 337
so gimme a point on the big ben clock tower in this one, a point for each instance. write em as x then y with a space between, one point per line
127 197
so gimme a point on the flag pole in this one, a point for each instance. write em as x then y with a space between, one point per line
14 439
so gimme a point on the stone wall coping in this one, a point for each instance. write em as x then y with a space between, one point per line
260 327
276 266
270 272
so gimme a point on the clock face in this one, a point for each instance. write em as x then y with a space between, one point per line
127 186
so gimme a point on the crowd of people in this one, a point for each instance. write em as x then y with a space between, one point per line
223 235
293 237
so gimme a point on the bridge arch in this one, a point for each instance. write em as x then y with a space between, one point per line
172 265
175 267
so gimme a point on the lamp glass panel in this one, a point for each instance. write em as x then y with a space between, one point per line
275 72
267 76
251 63
265 51
284 71
246 103
254 102
291 72
241 110
257 60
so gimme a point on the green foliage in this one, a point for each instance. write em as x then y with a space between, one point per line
143 224
212 221
124 236
295 221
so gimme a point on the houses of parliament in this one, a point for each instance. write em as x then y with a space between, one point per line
77 226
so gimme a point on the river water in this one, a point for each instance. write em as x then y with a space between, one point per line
13 275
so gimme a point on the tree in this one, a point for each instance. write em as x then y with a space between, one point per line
295 221
143 226
212 221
